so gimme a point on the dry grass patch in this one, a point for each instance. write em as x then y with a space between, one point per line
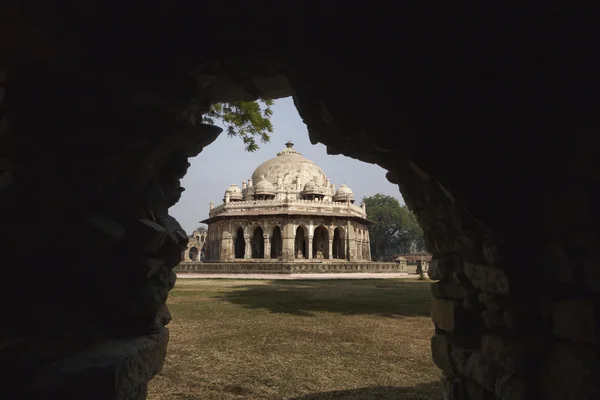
352 339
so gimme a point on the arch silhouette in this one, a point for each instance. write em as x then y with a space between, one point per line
339 243
239 243
258 243
301 243
321 242
276 243
193 253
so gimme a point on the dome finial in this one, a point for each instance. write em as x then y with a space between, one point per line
289 144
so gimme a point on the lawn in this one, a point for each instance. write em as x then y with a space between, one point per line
336 339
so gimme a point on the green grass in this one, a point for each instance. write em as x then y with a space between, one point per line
336 339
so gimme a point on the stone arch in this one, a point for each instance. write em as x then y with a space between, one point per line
239 243
339 243
320 244
194 254
198 238
258 243
276 242
489 207
301 242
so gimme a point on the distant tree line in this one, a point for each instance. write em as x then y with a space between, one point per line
396 230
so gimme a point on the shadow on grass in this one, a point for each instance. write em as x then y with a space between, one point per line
429 391
390 298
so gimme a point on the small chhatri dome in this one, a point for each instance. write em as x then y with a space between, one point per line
264 187
312 187
235 193
344 193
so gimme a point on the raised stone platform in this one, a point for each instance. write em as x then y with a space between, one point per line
289 268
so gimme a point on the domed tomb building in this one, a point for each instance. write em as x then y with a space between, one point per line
288 211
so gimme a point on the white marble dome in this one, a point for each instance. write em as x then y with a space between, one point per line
289 164
344 193
235 193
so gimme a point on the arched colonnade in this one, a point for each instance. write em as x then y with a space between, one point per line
288 241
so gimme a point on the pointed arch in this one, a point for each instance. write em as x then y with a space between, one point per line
258 243
276 242
193 253
301 242
321 242
239 243
339 243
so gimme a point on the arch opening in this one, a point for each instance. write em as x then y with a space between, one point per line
300 243
258 243
321 243
339 244
240 243
276 243
193 253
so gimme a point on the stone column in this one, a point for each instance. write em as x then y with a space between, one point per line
310 247
224 247
351 237
267 246
368 244
330 255
248 251
287 250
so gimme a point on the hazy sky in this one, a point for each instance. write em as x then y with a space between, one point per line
225 162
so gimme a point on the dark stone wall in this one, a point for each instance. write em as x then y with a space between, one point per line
486 123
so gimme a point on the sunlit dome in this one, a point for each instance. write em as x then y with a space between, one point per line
264 187
313 188
235 193
344 193
289 164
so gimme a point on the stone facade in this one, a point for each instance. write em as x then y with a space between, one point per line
292 214
290 268
196 247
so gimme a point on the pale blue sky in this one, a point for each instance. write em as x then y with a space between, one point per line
225 162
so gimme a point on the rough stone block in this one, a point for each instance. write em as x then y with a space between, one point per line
591 269
527 316
443 290
98 232
443 267
440 352
459 357
471 303
510 387
482 370
493 320
443 313
555 263
114 369
492 301
488 278
474 391
453 389
569 371
574 320
149 234
460 278
514 356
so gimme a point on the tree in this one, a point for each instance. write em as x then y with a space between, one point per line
396 228
248 120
